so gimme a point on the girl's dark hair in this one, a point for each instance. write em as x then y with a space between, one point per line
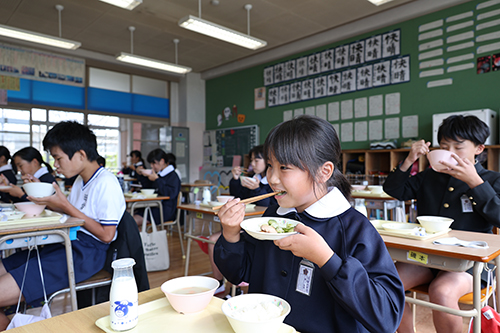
157 154
29 154
138 154
460 128
308 142
71 137
258 151
5 152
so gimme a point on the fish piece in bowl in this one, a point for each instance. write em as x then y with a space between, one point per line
30 209
190 294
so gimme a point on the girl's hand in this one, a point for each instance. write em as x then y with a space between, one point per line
236 171
14 191
231 215
418 149
464 171
4 180
153 176
251 184
57 201
27 178
307 244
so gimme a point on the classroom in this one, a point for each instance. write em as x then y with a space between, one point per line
406 87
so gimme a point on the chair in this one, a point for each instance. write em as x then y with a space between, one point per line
177 221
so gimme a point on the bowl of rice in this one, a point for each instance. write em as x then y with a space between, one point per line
250 313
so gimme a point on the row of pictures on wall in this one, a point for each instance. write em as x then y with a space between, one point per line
370 76
374 48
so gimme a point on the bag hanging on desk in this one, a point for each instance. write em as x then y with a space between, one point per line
155 245
21 319
490 318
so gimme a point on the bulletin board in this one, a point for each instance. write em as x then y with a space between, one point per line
453 64
235 141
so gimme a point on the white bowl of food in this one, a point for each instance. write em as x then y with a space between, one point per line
434 156
148 191
147 172
247 178
258 227
358 187
224 198
39 189
434 223
190 294
250 313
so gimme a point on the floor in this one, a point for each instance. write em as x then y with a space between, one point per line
199 264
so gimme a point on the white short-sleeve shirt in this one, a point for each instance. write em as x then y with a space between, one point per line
101 199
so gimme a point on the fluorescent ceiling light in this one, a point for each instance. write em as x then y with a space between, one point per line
379 2
127 4
147 62
217 31
38 38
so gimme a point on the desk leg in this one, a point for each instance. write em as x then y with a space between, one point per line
476 296
385 211
189 240
497 263
71 270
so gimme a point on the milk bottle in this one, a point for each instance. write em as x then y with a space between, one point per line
123 298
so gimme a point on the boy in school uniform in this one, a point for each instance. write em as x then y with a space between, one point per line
96 198
465 192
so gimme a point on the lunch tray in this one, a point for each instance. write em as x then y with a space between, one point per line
382 231
153 316
47 216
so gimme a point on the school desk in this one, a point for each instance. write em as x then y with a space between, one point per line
26 233
148 202
450 258
379 201
207 214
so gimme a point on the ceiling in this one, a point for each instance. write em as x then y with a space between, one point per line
103 28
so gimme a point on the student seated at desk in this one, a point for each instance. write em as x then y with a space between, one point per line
336 272
465 192
167 183
133 170
6 171
244 188
93 199
33 169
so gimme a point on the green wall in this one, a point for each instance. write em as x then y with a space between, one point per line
469 90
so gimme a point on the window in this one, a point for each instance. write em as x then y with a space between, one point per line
14 129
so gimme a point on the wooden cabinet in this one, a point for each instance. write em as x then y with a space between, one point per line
379 162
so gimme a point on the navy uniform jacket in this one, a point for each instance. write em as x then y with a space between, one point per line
357 290
242 192
11 177
440 194
170 186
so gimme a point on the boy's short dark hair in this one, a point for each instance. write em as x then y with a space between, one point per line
460 128
101 161
71 137
136 153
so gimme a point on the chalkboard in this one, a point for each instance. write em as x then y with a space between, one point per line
236 141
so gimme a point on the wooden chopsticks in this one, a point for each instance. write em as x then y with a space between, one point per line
253 199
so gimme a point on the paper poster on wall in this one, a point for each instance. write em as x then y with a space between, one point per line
364 77
391 43
287 115
375 130
336 127
311 110
307 89
333 84
409 126
375 106
373 48
357 53
392 103
391 126
360 107
400 70
341 56
279 70
298 112
301 67
360 131
320 88
268 75
333 111
284 94
295 92
346 109
10 83
346 132
381 74
180 148
321 111
290 68
327 63
313 64
272 96
3 97
260 98
348 83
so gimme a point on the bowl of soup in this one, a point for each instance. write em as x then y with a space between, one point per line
38 189
437 155
190 294
147 172
30 209
148 191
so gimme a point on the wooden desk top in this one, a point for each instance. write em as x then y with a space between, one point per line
256 211
370 195
129 200
15 229
466 253
82 320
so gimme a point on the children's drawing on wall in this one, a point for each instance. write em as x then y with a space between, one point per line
483 64
219 119
227 113
260 98
219 178
495 62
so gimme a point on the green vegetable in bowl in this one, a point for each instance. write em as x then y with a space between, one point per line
274 226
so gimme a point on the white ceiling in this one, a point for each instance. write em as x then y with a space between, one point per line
103 29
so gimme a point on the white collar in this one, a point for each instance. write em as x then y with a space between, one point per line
166 171
264 180
6 167
332 204
138 164
40 172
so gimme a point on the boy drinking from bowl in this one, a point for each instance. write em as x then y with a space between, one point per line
94 199
463 191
